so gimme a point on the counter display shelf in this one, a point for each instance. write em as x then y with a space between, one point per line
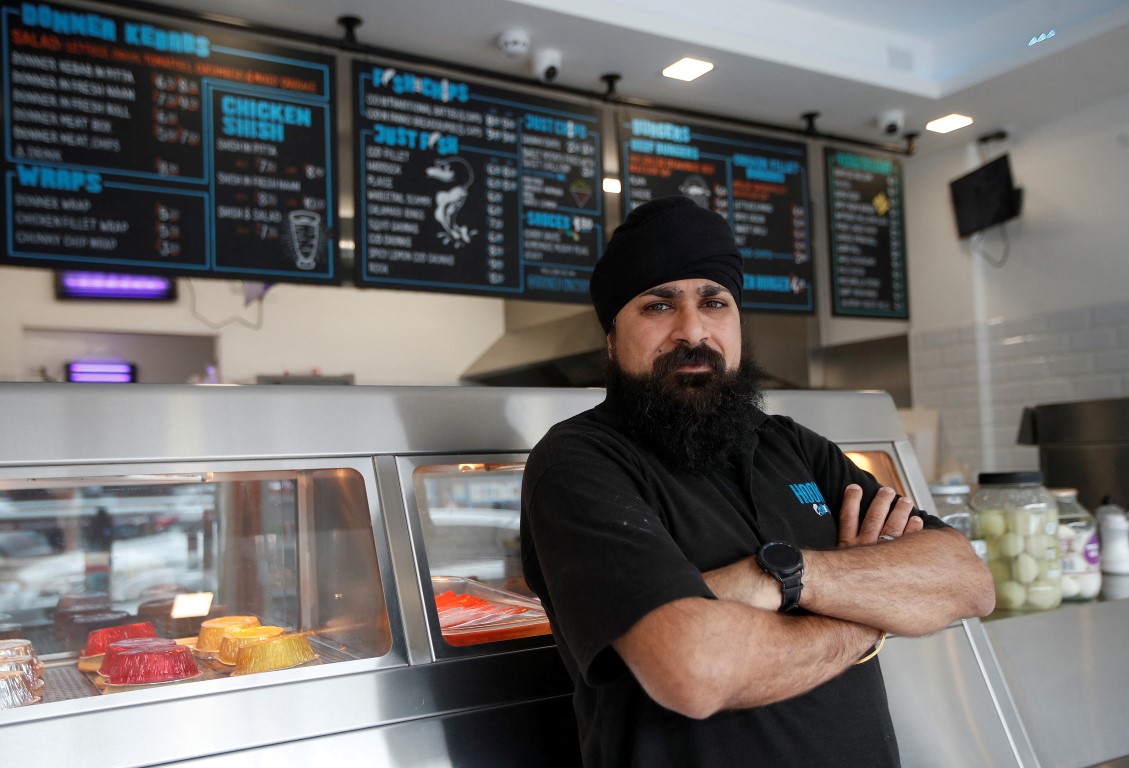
380 524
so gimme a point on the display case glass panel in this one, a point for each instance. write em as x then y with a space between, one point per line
881 465
469 518
87 562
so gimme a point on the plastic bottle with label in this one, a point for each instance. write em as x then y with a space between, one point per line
1078 541
1115 537
1018 520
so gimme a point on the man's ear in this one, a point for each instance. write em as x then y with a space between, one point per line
611 345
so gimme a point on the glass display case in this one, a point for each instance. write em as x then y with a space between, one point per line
89 561
177 561
467 536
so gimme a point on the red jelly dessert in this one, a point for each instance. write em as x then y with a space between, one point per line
110 662
139 666
98 640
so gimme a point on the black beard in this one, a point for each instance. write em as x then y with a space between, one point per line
693 421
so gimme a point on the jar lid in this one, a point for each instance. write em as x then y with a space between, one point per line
947 490
1011 478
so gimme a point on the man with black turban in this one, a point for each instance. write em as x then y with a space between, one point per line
710 586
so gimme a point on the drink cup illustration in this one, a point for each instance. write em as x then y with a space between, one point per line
305 238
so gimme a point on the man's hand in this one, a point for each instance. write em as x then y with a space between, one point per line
882 520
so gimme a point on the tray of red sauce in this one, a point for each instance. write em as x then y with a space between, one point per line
471 612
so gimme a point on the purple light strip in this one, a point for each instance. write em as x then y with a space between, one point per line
103 285
100 372
101 378
99 368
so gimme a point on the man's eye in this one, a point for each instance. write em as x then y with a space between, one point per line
657 306
715 304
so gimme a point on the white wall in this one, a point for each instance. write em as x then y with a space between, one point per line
382 337
1049 325
1070 248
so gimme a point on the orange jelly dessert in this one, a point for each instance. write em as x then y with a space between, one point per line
236 637
273 653
211 631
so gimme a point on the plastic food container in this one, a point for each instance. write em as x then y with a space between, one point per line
20 647
26 666
15 691
212 630
142 666
109 665
1017 518
236 637
273 653
471 612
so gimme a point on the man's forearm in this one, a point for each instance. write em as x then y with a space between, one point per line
914 586
698 657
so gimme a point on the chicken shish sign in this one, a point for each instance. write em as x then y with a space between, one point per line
467 188
171 147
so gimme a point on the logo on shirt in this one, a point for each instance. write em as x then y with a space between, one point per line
808 493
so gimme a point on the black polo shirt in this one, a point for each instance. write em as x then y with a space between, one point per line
609 533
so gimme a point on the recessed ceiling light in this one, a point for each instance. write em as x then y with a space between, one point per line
948 123
687 69
612 186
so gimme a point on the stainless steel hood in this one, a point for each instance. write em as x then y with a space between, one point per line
564 352
547 345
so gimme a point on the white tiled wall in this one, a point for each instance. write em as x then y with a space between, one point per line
980 378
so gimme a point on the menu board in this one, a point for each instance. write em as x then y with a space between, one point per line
759 184
135 144
865 221
465 188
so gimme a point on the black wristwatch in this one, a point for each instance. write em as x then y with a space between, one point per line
785 563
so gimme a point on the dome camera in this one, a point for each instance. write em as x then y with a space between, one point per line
514 43
547 65
892 122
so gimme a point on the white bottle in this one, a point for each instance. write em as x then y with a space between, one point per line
1114 526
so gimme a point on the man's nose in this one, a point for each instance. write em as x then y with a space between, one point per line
689 330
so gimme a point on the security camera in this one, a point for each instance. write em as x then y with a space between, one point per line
514 43
892 122
547 65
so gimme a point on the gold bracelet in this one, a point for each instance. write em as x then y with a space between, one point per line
873 651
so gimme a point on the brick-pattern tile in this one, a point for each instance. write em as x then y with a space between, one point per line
981 379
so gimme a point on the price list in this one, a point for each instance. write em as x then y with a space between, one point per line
758 184
867 231
465 188
138 145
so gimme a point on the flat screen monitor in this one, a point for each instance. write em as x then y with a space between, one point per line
986 197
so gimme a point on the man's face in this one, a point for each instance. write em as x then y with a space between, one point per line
682 313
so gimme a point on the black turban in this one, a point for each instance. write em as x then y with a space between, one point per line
671 238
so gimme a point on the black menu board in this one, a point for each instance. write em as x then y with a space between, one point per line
867 229
465 188
135 144
759 184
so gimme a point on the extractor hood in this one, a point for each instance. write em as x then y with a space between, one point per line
564 352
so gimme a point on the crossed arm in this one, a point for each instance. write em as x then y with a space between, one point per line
699 656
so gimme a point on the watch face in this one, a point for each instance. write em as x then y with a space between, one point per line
781 557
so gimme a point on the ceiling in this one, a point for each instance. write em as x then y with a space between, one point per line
848 60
